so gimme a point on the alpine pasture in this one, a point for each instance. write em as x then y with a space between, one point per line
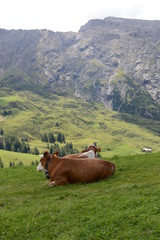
126 206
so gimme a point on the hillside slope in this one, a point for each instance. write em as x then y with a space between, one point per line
125 206
30 116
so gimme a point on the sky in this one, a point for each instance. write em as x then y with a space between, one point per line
70 15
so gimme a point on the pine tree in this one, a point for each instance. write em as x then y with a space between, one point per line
51 138
1 143
60 138
54 148
63 138
1 132
35 151
44 138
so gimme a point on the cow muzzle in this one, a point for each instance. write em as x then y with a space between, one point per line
40 167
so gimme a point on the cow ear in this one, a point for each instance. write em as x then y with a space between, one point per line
98 149
56 153
45 153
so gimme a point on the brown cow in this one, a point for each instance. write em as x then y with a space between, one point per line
90 152
63 171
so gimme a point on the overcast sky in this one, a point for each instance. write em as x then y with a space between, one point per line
70 15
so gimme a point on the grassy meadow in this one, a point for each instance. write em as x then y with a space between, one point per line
126 206
16 157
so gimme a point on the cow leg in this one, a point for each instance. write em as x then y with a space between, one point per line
51 184
58 182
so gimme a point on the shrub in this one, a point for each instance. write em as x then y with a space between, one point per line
36 162
20 164
1 163
10 164
35 151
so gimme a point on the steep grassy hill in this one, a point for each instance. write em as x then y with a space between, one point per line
29 115
126 206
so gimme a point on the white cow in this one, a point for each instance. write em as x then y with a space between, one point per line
147 150
89 154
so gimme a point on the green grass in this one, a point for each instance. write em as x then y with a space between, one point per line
126 206
16 157
7 99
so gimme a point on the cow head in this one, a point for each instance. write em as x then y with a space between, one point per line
43 162
93 148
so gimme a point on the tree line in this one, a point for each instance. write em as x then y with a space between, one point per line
50 138
64 150
12 143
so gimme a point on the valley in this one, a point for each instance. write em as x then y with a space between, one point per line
81 122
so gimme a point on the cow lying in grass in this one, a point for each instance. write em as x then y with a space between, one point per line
63 171
90 152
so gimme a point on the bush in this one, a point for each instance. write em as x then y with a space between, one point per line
20 164
1 163
36 162
35 151
12 164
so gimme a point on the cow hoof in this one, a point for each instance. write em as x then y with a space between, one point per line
51 184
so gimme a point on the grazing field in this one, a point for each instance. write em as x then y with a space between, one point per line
126 206
16 157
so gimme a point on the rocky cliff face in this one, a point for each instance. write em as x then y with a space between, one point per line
115 61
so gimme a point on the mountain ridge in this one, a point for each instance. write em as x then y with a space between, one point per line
113 61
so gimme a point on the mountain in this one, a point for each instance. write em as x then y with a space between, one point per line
70 83
114 61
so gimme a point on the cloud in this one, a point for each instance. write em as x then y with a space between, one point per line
70 15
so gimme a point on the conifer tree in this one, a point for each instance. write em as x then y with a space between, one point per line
60 137
44 138
51 138
1 132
